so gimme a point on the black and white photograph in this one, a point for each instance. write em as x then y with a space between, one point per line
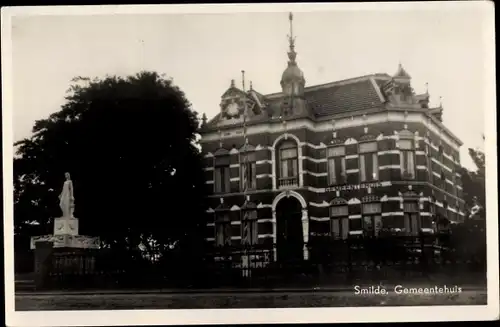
292 162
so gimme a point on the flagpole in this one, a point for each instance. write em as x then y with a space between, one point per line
245 157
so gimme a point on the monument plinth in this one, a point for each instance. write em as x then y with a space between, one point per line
66 227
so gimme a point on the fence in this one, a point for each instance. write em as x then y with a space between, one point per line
330 262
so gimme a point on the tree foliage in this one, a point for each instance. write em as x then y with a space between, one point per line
474 182
129 145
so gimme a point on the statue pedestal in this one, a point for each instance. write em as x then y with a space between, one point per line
66 236
66 226
64 253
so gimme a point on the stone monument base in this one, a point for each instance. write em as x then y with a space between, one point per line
67 241
66 236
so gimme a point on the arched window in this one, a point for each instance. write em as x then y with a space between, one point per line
339 221
372 218
368 161
336 165
288 167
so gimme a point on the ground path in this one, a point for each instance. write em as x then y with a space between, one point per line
165 299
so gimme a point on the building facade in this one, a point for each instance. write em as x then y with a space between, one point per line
351 158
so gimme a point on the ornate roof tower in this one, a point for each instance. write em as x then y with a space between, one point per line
292 80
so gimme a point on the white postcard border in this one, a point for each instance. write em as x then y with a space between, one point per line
253 316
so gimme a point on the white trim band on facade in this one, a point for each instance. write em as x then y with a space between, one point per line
265 236
320 218
389 167
312 159
395 213
323 204
439 163
388 152
276 127
315 174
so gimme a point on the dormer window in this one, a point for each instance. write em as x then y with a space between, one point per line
289 169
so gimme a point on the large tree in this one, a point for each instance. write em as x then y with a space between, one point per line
129 144
474 182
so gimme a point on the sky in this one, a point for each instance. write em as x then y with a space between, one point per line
203 52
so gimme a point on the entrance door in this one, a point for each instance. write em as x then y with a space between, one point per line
290 240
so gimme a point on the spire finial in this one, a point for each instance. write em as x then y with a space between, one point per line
291 40
233 83
440 101
426 88
251 86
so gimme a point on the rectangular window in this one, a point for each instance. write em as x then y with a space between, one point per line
222 175
223 230
249 232
407 159
336 165
372 219
339 222
429 163
289 167
368 161
413 224
248 179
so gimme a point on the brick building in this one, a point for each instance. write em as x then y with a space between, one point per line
346 159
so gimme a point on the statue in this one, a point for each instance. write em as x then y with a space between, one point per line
66 198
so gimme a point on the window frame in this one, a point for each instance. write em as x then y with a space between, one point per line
403 158
288 145
252 222
342 178
224 170
342 222
223 219
374 155
410 214
372 216
252 162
